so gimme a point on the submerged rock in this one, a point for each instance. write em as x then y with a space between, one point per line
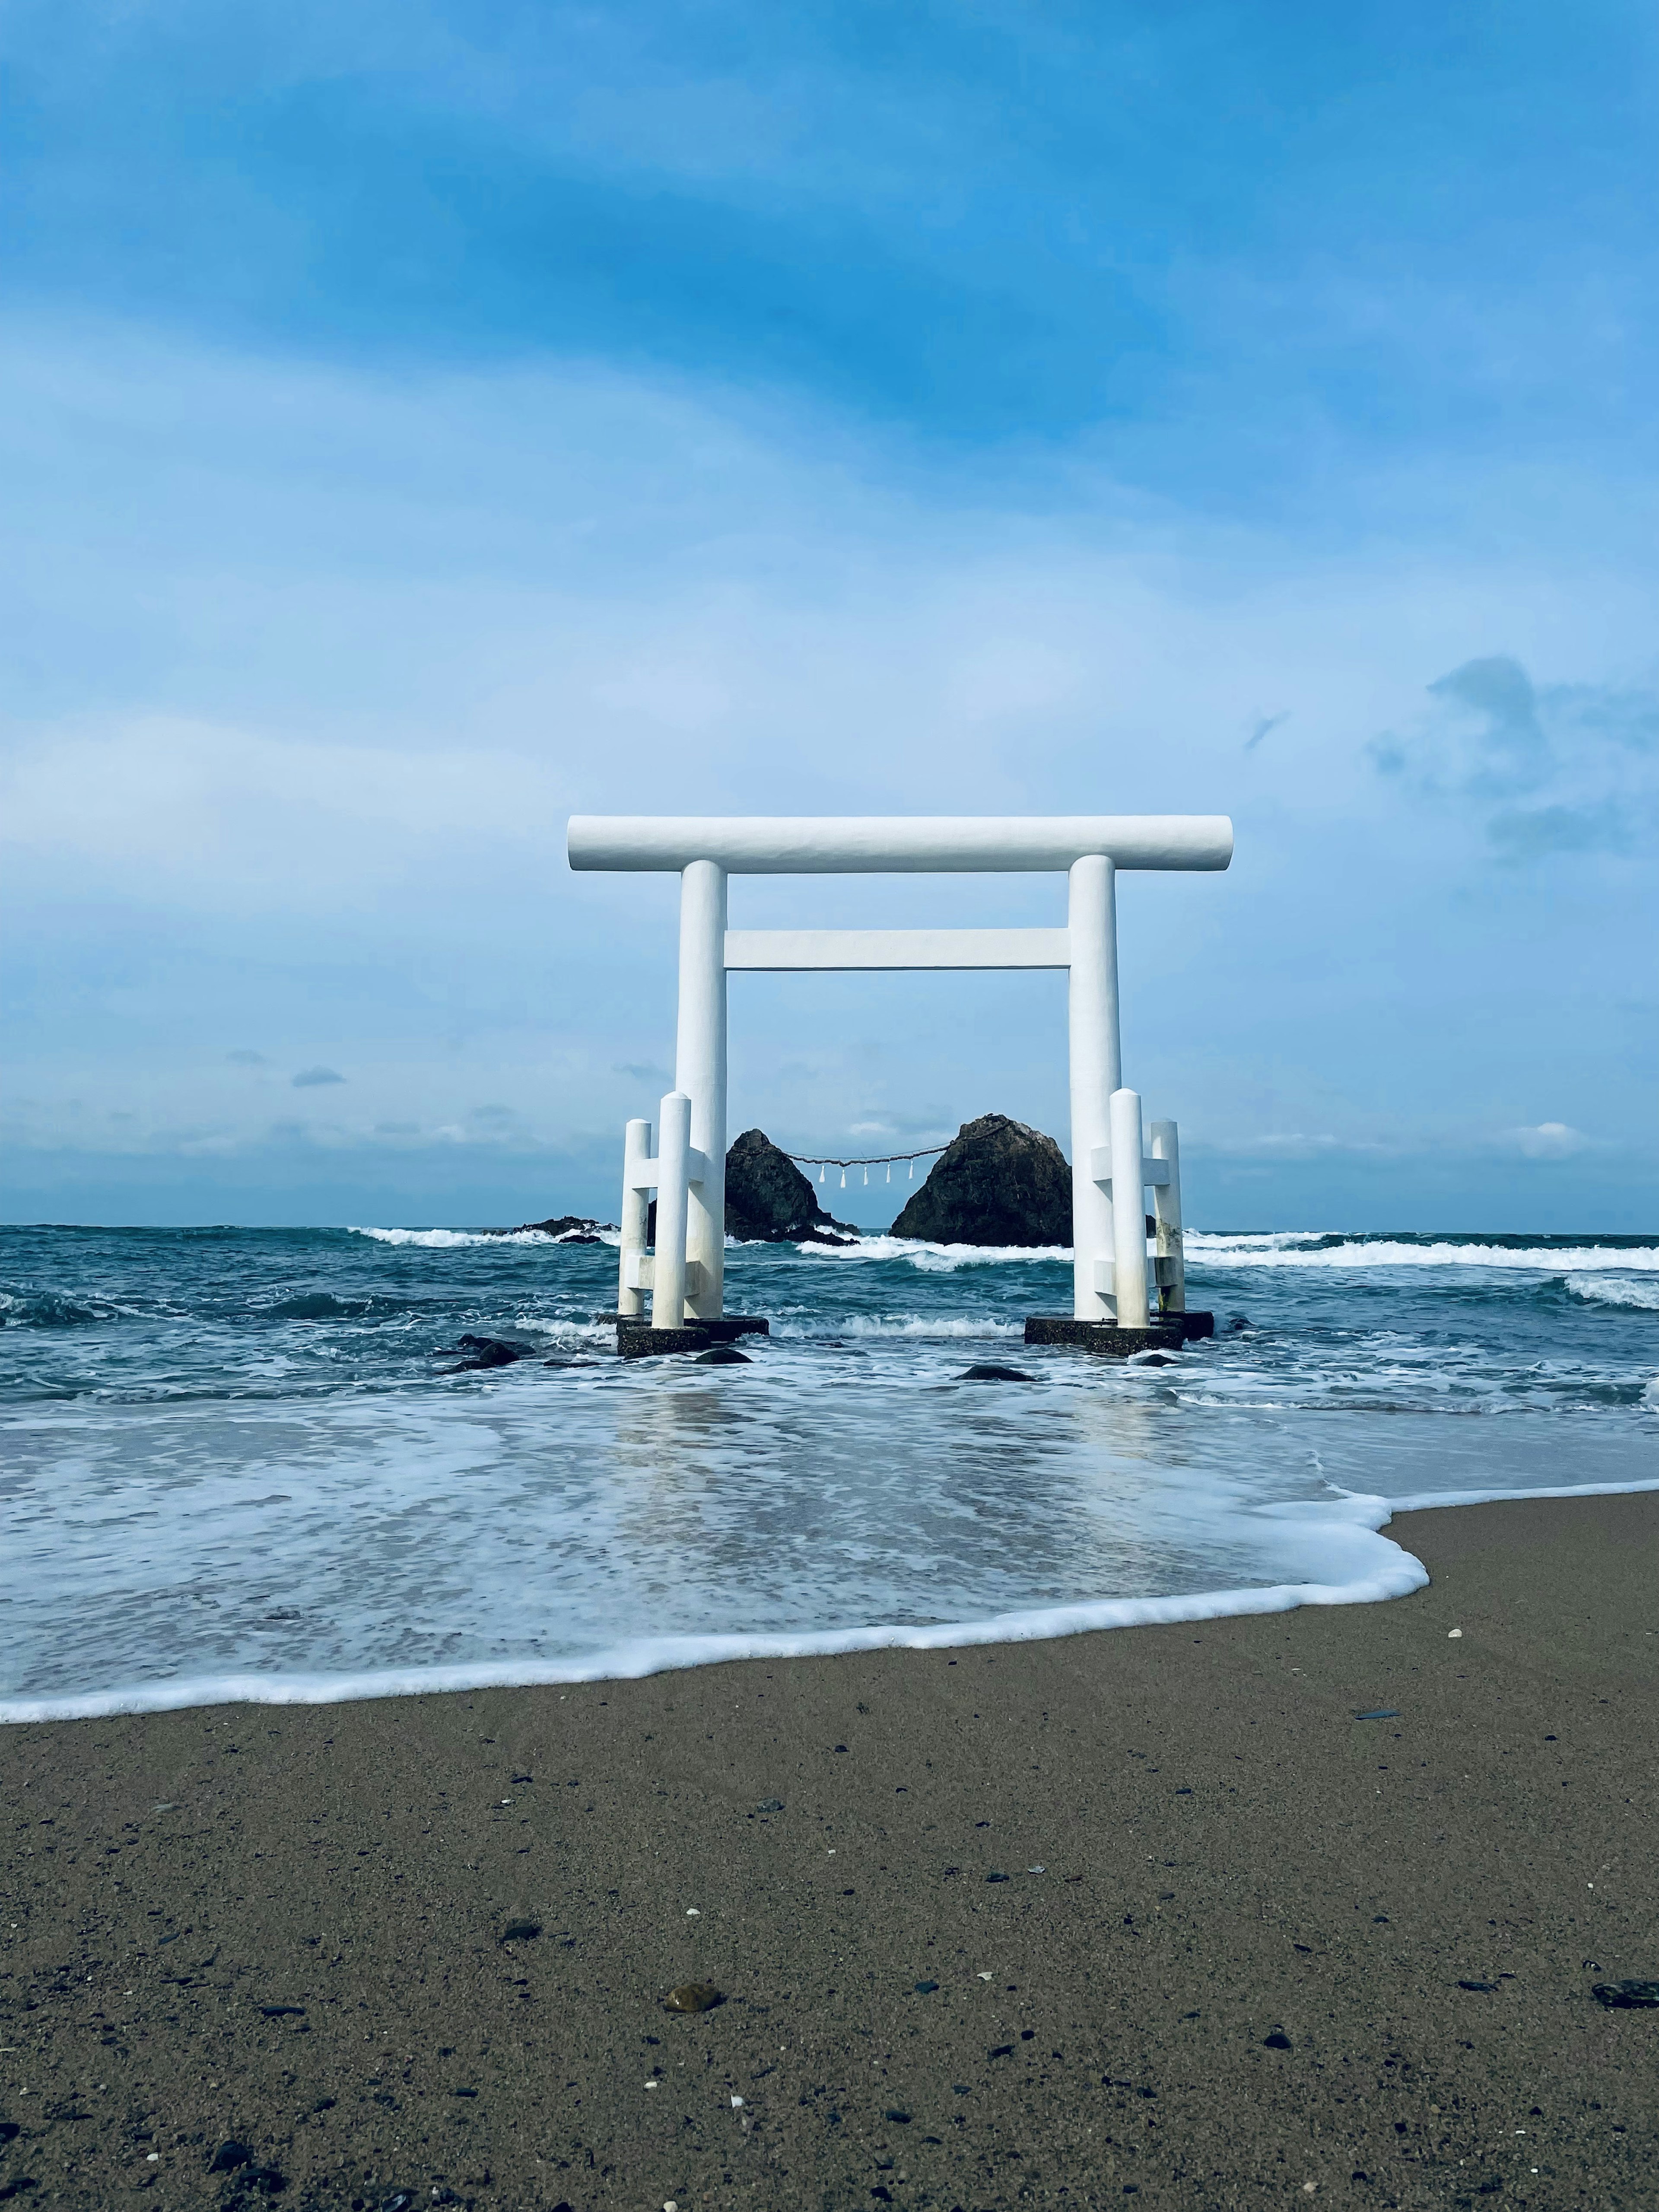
769 1200
486 1351
722 1355
996 1183
985 1372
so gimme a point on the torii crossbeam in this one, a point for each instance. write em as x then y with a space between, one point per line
686 1275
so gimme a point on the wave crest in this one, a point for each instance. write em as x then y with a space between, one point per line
1283 1249
935 1259
1640 1298
939 1328
450 1240
47 1310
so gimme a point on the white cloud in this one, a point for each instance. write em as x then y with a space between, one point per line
190 811
322 733
1548 1140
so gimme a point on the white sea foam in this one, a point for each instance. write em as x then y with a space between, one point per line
579 1335
1390 1572
1641 1298
934 1259
1342 1528
445 1240
1211 1250
1216 1250
939 1327
1430 1501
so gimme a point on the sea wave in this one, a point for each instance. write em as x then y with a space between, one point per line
1364 1514
1388 1577
1218 1250
49 1309
565 1334
329 1305
939 1327
449 1240
935 1259
1643 1298
1213 1249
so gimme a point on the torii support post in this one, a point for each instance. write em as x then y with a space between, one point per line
1171 1257
1128 1223
668 1266
635 1215
1096 1056
700 1073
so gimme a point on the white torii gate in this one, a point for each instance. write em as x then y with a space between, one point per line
687 1276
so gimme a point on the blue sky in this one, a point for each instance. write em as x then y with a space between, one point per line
419 423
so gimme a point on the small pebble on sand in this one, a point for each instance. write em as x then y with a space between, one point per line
694 1997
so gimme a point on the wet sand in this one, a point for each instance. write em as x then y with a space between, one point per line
1142 1914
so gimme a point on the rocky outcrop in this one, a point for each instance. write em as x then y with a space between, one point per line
484 1352
996 1183
769 1200
566 1228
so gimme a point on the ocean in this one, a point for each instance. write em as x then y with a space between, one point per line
235 1465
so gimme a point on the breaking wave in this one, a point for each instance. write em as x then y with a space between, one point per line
1210 1248
920 1327
1285 1249
1643 1298
47 1310
935 1259
655 1655
452 1240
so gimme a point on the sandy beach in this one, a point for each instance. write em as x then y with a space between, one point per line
1145 1914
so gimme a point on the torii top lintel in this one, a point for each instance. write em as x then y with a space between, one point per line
897 844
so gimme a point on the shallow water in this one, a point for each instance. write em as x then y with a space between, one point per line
233 1464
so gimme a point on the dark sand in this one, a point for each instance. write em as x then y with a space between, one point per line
1203 1846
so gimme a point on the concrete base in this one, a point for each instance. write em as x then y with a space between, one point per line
1193 1325
1108 1342
637 1339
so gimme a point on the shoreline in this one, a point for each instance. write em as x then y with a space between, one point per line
646 1656
1071 1921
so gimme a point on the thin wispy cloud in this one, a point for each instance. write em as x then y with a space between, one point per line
1548 1140
1552 769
